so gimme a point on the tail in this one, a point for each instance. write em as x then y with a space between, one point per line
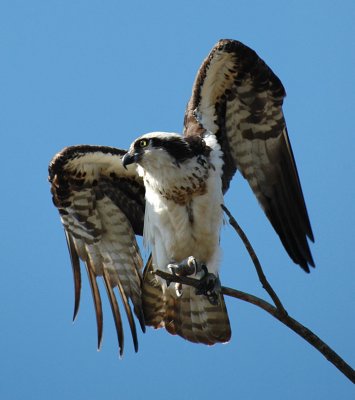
190 316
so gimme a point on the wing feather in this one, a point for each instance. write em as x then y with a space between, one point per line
115 311
76 273
101 205
237 97
97 302
128 310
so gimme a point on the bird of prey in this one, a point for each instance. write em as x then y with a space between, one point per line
169 188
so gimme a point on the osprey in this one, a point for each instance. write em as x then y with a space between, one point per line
169 188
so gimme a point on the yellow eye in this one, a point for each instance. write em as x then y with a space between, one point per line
143 143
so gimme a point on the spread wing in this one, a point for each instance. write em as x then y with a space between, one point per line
101 205
237 97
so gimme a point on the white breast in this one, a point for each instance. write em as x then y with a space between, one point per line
173 231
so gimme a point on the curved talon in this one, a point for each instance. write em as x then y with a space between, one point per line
203 268
178 289
209 286
172 268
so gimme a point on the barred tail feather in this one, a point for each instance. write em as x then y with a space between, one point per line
190 316
152 298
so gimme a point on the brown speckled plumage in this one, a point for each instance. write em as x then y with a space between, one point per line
101 209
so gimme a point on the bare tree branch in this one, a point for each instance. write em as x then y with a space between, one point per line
262 278
283 317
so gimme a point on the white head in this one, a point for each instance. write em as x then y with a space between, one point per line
161 149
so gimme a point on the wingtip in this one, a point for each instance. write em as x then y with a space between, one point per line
99 337
129 315
99 343
305 261
141 319
311 262
75 314
120 350
310 236
305 267
76 307
305 264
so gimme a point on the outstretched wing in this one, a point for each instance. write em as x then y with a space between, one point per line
101 205
237 97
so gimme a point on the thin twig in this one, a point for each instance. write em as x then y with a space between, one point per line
266 285
297 327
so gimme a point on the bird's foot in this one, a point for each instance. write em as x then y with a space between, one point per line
209 285
189 266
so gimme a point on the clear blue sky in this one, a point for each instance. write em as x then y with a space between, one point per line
104 72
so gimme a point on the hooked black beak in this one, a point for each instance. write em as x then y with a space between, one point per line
128 159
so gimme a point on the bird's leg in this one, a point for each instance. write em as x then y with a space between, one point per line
209 286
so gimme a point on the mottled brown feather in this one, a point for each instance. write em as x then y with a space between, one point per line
101 205
238 97
115 311
152 298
